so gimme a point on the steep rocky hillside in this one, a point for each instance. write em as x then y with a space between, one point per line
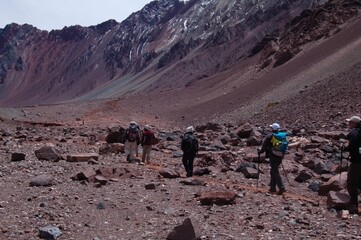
250 69
149 50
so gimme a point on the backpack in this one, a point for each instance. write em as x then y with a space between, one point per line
133 134
279 144
148 138
189 144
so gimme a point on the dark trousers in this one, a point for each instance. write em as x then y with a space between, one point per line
276 179
187 160
354 182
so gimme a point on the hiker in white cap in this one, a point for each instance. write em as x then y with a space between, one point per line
354 171
189 147
132 136
273 145
148 139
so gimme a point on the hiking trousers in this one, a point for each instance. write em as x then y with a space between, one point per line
276 179
130 149
354 182
146 153
188 159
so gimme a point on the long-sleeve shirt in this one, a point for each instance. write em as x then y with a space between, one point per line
353 145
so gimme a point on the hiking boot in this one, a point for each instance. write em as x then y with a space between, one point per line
272 191
353 209
281 191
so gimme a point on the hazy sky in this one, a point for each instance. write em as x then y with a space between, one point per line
55 14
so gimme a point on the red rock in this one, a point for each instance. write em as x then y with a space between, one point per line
218 198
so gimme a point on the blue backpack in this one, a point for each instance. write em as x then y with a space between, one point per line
279 144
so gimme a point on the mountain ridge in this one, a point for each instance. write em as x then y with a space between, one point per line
77 59
228 75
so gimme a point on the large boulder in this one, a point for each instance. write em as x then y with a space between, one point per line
209 126
244 131
169 173
48 153
318 166
338 200
16 157
49 232
113 148
116 135
333 184
188 230
303 176
250 173
87 175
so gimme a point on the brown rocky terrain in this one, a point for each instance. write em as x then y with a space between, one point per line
67 177
83 188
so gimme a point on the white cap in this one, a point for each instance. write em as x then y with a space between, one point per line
146 127
354 119
275 126
190 129
133 123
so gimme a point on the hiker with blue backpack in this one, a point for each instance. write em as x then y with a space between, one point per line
275 145
189 146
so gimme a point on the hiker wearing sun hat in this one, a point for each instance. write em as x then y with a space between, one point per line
353 182
274 146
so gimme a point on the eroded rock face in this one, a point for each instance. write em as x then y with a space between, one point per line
138 42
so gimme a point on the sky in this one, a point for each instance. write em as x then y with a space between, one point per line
55 14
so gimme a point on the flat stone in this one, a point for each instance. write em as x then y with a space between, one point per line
42 181
84 157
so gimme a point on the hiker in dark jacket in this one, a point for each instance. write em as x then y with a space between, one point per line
354 170
148 139
189 146
275 161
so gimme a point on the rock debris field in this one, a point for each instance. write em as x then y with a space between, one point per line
62 182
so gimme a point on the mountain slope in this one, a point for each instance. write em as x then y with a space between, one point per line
151 46
158 67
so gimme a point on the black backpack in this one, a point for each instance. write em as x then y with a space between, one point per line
133 134
189 144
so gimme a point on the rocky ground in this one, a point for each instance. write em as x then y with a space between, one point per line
133 201
60 170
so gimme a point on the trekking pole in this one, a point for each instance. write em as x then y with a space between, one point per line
286 174
341 156
259 160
